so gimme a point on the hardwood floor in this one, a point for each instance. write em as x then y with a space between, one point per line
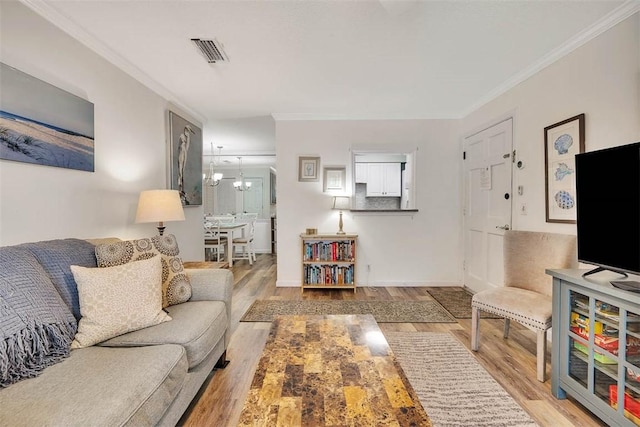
511 362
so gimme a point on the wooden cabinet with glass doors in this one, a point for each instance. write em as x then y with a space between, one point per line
596 346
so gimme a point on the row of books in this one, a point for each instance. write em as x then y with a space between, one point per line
328 275
329 251
604 309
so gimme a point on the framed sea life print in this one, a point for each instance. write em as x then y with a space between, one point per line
334 178
185 159
42 124
308 169
562 141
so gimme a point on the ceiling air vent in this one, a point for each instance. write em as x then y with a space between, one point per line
212 50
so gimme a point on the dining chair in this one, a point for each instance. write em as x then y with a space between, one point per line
245 243
222 218
527 291
213 240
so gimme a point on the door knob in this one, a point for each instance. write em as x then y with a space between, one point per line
503 227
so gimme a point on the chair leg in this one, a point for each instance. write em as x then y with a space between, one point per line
541 356
507 323
475 328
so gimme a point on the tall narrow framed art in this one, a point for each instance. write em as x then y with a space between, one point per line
562 141
185 159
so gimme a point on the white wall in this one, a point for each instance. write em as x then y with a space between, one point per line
600 79
39 202
402 249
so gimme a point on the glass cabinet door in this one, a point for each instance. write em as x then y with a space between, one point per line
593 337
631 369
597 361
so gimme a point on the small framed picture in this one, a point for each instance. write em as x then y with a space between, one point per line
562 141
334 178
308 169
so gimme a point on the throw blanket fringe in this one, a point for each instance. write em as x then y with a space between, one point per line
29 351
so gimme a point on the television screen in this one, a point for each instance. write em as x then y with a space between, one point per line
608 208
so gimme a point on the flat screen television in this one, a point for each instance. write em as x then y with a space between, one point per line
608 208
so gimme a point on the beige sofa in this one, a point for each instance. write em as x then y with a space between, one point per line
142 378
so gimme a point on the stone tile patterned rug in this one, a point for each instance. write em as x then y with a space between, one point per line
452 386
382 311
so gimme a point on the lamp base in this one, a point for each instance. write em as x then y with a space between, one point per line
340 225
161 229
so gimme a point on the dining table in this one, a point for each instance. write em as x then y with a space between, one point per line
227 229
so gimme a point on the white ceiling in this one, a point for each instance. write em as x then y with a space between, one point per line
369 59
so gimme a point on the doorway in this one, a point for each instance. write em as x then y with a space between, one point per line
487 204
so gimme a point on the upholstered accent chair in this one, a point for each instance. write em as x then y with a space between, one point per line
526 295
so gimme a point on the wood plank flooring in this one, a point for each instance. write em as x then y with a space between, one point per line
511 362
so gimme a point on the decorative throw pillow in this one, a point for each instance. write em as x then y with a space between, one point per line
36 326
117 300
176 287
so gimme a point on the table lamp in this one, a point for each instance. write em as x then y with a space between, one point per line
159 206
341 203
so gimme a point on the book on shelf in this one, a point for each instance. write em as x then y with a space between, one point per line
328 275
329 251
605 310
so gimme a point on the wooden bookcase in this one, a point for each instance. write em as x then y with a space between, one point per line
329 261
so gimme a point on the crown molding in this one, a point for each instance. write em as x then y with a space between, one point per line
622 12
619 14
360 117
51 14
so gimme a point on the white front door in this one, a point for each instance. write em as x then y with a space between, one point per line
487 206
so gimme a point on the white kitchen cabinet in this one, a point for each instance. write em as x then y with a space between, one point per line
361 173
383 180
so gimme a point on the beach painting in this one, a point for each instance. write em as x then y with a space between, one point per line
42 124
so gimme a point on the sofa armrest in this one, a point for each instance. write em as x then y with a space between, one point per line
209 284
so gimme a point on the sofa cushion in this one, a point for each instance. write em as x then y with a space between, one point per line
176 287
522 305
98 386
116 300
36 326
56 256
196 325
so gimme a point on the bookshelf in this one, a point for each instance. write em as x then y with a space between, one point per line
329 261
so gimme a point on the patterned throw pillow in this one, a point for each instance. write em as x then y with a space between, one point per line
117 300
176 287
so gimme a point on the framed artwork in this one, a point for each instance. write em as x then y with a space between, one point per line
562 141
334 178
42 124
308 169
185 159
272 187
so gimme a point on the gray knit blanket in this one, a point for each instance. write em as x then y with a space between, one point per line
36 326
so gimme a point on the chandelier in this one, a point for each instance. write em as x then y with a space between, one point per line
241 184
213 178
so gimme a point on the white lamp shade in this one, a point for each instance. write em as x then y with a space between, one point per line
159 206
341 203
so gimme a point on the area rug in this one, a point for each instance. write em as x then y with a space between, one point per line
452 386
457 301
382 311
